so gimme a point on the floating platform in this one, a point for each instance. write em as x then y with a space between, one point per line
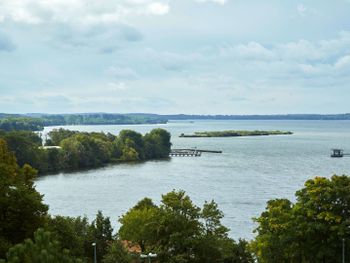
184 153
338 153
189 152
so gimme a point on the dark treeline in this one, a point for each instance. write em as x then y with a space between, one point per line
36 122
21 123
100 118
78 150
260 117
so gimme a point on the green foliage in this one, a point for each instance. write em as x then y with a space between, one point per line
21 207
73 234
58 135
132 145
42 250
79 150
116 252
100 118
21 123
233 133
139 226
83 150
179 231
102 234
157 144
77 235
312 229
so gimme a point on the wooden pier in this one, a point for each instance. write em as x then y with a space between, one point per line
189 152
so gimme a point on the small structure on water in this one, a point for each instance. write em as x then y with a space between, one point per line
338 153
189 152
184 153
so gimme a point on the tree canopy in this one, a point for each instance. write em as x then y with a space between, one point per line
21 208
311 229
79 150
179 231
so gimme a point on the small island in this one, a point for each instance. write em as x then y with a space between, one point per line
233 133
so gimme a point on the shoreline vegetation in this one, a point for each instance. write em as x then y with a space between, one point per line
175 230
233 133
37 121
67 150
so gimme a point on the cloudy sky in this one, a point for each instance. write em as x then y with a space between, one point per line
175 56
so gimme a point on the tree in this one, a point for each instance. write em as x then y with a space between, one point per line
179 231
312 229
42 250
133 142
116 252
74 234
157 144
140 224
102 231
274 232
21 207
25 146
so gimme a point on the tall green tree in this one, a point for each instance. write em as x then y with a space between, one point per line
21 208
157 144
43 249
102 232
74 234
179 231
312 229
131 141
116 252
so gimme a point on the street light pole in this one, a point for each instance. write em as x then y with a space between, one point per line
343 250
95 256
148 256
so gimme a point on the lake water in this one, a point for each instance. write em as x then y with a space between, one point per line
249 172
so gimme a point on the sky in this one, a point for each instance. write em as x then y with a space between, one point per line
175 56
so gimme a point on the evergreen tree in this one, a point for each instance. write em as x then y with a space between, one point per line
21 207
42 250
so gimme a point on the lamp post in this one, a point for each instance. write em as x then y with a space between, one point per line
95 256
149 256
343 250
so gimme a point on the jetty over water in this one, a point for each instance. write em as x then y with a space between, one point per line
339 153
189 152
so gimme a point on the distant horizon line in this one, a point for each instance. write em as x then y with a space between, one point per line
177 114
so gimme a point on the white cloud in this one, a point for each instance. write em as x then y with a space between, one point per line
301 9
116 86
83 12
252 50
122 73
158 8
221 2
343 62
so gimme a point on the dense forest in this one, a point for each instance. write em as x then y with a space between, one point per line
77 150
21 123
313 229
345 116
36 122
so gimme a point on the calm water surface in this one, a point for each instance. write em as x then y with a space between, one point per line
249 172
